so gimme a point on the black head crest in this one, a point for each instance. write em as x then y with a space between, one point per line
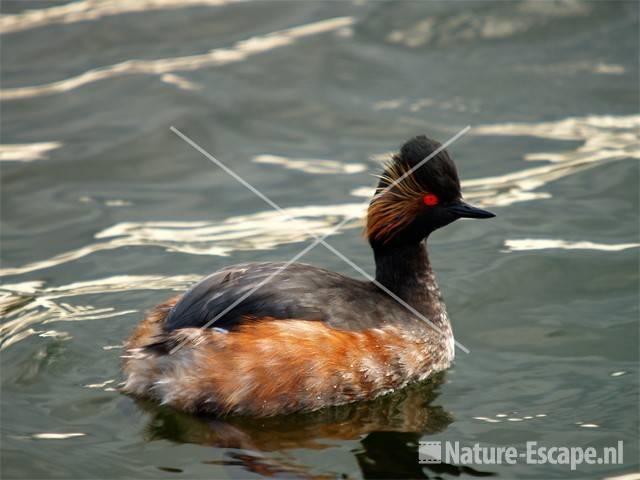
394 209
437 175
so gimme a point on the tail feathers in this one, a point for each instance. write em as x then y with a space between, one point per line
163 345
170 342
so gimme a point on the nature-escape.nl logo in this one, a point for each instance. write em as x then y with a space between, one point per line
533 454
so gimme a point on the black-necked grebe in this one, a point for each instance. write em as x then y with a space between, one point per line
312 338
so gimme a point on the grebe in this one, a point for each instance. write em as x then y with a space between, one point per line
312 338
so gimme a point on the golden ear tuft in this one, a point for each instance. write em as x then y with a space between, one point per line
406 186
393 209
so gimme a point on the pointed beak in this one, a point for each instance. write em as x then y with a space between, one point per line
465 210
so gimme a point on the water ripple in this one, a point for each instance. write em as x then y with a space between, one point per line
311 165
548 243
27 304
218 56
90 10
27 152
606 139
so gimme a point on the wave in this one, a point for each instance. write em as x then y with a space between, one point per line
605 139
219 56
496 22
90 10
27 152
29 304
311 165
549 243
259 231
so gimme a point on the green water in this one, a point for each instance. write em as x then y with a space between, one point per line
105 212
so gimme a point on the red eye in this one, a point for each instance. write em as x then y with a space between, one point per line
430 199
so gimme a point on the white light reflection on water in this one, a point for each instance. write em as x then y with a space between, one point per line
311 165
548 243
605 139
27 152
240 51
90 10
500 23
56 436
25 305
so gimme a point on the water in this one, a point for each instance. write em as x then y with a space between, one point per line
105 212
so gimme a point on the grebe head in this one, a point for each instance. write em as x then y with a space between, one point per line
424 200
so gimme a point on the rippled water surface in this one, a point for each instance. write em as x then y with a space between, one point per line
106 212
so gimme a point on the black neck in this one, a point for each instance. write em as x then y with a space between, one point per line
406 271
